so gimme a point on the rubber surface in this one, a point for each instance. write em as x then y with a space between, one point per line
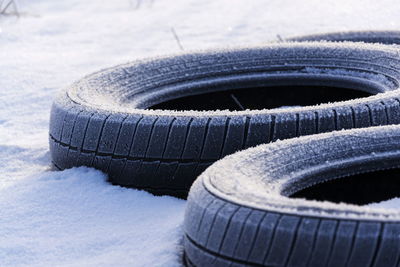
383 37
103 120
239 213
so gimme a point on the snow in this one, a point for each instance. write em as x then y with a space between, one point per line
74 217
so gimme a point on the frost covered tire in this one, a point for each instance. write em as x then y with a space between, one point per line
382 37
103 120
239 213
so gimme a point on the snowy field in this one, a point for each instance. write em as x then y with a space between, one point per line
74 218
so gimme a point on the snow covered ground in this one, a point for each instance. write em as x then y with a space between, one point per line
74 217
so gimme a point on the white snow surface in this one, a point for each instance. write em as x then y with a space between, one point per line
74 217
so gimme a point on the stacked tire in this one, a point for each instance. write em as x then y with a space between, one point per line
238 210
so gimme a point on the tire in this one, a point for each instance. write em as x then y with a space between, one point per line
104 120
383 37
239 213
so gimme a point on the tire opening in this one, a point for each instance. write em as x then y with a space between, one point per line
360 189
261 98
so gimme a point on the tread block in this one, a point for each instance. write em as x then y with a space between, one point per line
208 220
146 174
326 121
159 137
125 138
102 163
307 123
361 116
393 111
184 174
54 150
344 118
68 125
195 254
59 155
323 243
214 139
378 114
86 159
220 227
142 136
248 237
177 138
110 134
115 171
303 245
165 174
57 116
234 136
263 238
343 243
94 131
78 135
130 172
365 244
284 236
388 251
72 158
195 138
258 131
285 126
234 231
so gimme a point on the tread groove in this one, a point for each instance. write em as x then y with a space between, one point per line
147 145
293 242
386 112
150 137
245 263
246 132
316 122
313 243
202 216
353 241
270 243
227 121
204 138
377 246
79 150
168 136
116 140
64 120
213 222
226 229
335 119
241 231
370 115
165 148
99 139
353 117
253 243
72 131
186 138
272 129
332 246
134 158
130 146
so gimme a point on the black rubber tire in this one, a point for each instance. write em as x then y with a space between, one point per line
102 121
239 213
382 37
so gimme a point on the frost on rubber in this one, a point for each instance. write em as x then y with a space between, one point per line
104 120
382 37
239 213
